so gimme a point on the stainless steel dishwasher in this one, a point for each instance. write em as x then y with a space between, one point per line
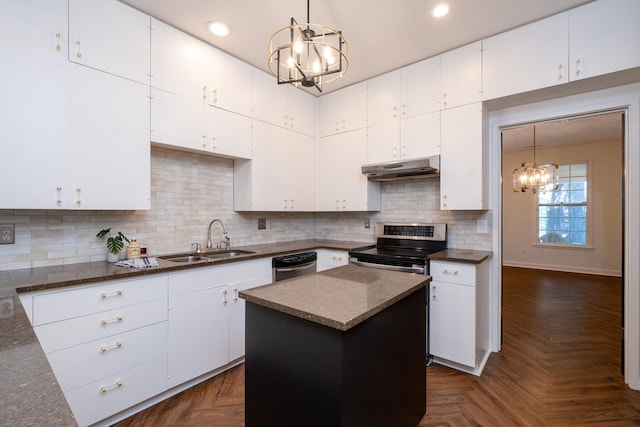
288 266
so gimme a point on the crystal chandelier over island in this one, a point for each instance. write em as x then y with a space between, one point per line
534 177
307 54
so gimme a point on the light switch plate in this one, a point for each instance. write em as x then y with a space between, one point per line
7 234
482 226
262 223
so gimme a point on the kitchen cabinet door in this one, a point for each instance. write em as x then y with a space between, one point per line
343 110
198 331
229 83
383 142
603 38
420 135
259 184
330 258
530 57
341 184
420 87
228 134
463 160
383 99
180 64
33 101
452 322
109 150
178 121
110 36
301 111
261 270
461 75
269 99
301 173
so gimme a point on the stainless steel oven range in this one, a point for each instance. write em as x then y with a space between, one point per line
403 247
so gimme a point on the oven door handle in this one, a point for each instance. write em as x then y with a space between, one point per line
297 267
419 270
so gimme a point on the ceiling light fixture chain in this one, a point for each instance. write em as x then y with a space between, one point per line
307 55
534 177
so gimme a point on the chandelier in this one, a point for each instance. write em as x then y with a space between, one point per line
307 54
534 177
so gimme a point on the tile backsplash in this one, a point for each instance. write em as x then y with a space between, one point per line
189 190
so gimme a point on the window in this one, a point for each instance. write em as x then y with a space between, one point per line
562 213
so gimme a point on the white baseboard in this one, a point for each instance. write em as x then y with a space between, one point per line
566 269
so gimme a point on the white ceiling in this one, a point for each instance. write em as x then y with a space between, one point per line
382 35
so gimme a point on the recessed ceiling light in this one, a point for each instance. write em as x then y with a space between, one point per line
218 28
440 10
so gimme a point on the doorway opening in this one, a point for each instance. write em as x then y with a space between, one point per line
585 216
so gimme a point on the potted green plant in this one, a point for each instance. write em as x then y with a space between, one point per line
115 243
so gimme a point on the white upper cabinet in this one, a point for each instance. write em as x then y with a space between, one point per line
109 150
110 36
229 83
282 105
343 110
463 164
269 99
180 64
403 113
384 102
603 38
178 121
228 134
33 101
281 174
341 185
301 111
461 75
530 57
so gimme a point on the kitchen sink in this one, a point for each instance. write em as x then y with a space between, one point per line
207 256
227 254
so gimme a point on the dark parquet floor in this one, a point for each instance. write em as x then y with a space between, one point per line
559 366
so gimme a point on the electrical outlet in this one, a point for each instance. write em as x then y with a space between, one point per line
367 223
7 234
262 223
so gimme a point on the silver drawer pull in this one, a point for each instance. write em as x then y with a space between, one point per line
117 293
105 348
104 322
105 388
447 271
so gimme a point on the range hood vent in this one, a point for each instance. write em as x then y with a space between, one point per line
425 167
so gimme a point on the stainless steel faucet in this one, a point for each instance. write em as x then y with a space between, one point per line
226 242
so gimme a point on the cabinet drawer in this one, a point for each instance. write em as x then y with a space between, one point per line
453 272
85 363
75 302
331 259
91 404
67 333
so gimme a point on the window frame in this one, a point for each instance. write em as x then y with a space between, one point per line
588 218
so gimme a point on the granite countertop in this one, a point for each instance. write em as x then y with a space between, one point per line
461 255
29 392
340 298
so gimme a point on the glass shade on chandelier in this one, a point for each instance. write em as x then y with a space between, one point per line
534 177
307 54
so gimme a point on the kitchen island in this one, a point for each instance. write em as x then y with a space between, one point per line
342 347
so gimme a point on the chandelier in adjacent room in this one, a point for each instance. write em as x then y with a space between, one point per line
307 54
534 177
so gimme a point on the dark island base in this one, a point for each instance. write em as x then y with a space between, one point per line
300 373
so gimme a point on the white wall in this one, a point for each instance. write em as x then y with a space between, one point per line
604 254
189 190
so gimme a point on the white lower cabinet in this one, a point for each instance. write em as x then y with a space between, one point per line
106 343
459 315
206 316
331 258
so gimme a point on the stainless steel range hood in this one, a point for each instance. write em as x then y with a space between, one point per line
425 167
